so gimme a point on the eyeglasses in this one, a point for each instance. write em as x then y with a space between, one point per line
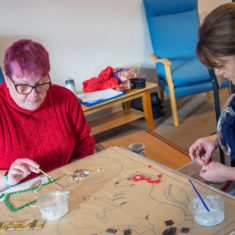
25 89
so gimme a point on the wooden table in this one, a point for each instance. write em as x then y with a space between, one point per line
109 198
157 148
127 114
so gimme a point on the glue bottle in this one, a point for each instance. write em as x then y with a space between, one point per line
69 84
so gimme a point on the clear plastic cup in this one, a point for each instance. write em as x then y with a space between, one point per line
216 210
53 205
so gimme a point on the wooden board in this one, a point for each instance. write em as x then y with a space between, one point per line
109 199
157 148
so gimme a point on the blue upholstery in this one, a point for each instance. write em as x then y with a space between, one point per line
1 76
173 27
168 34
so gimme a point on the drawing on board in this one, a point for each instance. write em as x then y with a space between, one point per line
127 193
140 206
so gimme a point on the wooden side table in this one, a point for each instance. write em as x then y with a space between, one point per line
157 148
127 114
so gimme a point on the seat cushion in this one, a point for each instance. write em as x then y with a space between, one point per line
186 72
174 35
190 90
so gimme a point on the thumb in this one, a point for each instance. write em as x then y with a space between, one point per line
208 155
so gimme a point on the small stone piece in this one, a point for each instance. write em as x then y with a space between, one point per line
169 222
184 230
173 230
98 170
84 172
73 177
170 231
38 224
82 175
111 230
127 232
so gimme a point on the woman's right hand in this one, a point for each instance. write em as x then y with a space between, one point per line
203 147
20 169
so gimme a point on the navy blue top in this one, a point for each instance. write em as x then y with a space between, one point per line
228 130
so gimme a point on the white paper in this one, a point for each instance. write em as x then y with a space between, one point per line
98 95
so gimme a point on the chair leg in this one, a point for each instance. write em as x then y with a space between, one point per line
174 107
217 105
172 95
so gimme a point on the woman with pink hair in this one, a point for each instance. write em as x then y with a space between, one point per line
41 124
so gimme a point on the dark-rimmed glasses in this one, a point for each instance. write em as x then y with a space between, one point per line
25 89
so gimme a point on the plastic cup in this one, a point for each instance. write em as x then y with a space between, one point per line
53 205
216 210
137 148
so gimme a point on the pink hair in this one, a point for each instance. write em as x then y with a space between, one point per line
26 58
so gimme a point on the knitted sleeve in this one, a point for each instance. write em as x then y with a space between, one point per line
84 143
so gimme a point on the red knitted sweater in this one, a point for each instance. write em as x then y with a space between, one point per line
51 135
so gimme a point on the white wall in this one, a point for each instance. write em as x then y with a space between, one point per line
205 6
82 36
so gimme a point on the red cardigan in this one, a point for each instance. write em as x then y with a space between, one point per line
51 135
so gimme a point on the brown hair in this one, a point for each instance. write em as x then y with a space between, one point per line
217 36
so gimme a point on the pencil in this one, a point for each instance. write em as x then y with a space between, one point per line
203 202
44 173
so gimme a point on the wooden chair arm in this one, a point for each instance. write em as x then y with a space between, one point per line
167 63
155 59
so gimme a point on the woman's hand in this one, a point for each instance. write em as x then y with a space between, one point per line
214 172
203 147
20 169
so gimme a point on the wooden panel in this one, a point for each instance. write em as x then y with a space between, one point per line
113 120
156 148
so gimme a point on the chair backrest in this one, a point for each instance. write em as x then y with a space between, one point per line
1 76
173 26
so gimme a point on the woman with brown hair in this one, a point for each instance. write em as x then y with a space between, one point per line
216 49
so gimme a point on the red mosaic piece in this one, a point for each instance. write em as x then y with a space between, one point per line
138 178
141 178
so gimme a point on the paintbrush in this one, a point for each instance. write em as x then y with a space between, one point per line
44 173
203 202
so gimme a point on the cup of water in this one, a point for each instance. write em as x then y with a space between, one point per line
53 205
215 215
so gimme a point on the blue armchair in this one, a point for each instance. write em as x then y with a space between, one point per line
173 27
1 76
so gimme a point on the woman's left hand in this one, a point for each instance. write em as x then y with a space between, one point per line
214 172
